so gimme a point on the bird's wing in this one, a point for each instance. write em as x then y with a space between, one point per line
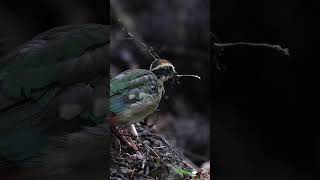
129 79
55 56
44 87
130 87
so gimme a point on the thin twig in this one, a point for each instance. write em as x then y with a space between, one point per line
149 48
146 146
160 147
154 152
118 142
284 51
132 173
119 12
139 41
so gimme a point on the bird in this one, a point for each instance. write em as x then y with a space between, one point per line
52 87
136 93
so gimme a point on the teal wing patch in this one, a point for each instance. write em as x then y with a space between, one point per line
129 79
125 88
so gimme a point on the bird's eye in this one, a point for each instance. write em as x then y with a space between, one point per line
169 69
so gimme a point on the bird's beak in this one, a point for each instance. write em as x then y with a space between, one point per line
175 78
175 73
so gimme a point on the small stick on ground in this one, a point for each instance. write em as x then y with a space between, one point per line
155 152
118 143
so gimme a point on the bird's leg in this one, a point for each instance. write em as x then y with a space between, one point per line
134 130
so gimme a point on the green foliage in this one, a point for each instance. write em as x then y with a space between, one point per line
186 173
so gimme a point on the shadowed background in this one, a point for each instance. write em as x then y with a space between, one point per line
21 20
262 122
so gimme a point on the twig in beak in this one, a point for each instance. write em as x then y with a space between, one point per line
188 75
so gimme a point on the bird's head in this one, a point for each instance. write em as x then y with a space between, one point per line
165 70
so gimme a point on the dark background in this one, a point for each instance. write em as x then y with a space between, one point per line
263 124
22 20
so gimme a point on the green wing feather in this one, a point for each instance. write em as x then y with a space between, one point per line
121 82
132 82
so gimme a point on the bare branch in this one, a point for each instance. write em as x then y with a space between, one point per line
284 51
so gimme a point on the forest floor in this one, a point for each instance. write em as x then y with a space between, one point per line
155 159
